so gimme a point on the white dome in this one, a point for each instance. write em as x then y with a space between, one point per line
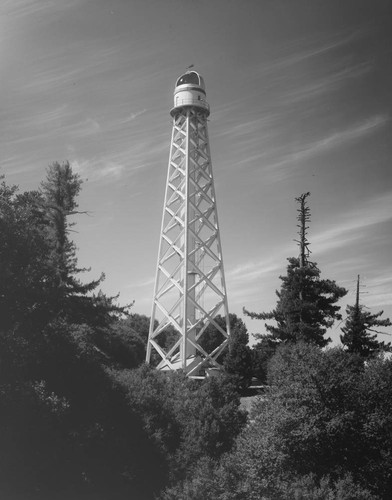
191 78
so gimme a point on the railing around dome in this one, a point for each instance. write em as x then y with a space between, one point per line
180 103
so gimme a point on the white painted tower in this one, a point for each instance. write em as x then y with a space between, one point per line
190 287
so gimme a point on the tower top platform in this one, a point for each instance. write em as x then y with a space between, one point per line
190 91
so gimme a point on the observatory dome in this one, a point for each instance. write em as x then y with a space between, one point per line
190 91
191 78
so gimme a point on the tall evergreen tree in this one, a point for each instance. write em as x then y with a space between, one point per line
60 191
70 297
359 332
306 305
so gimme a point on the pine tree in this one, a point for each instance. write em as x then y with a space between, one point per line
359 333
60 190
306 305
70 297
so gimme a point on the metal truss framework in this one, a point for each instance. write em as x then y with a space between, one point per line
190 285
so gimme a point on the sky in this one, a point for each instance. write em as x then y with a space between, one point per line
301 100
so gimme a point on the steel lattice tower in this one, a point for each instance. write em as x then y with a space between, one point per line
190 287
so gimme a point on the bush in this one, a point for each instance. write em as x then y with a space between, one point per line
187 419
323 431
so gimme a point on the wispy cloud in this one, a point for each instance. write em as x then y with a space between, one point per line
46 123
378 290
111 169
352 225
148 282
321 85
96 170
71 65
307 48
15 165
41 118
254 270
248 129
132 116
323 145
23 8
111 166
85 128
277 162
123 120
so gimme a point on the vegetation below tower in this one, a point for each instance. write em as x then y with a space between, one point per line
82 417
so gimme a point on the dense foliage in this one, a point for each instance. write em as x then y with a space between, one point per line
82 417
323 431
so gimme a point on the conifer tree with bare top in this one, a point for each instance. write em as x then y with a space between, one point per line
69 295
361 329
303 218
307 305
